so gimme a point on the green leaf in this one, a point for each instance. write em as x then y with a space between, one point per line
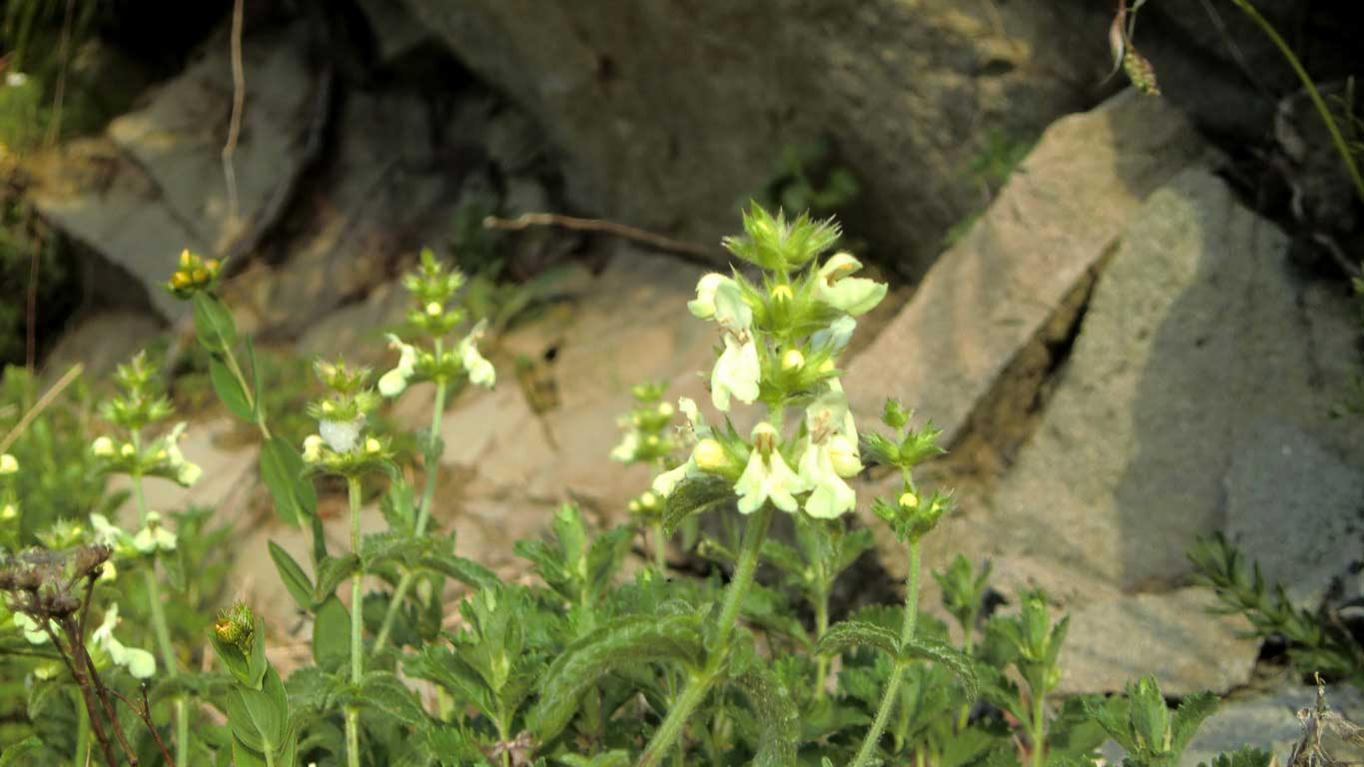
257 380
17 750
230 391
461 569
946 656
694 495
213 324
331 635
629 641
778 719
1192 711
260 718
295 580
608 759
846 635
1111 715
331 572
1246 756
281 468
386 692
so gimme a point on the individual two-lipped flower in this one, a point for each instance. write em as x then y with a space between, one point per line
767 477
153 537
738 370
422 365
854 295
140 663
830 456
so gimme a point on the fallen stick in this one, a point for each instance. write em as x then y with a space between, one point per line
526 220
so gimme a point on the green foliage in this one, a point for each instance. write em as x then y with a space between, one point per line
583 665
1315 644
806 177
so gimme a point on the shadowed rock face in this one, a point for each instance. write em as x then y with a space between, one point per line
673 113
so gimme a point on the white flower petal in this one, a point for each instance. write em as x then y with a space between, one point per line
736 374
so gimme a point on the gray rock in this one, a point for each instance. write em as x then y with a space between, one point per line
1170 635
1268 721
101 341
1294 508
672 114
989 308
1194 334
155 185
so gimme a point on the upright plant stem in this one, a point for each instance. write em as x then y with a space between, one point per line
423 512
162 632
864 755
1039 725
821 625
660 549
357 626
1337 138
698 685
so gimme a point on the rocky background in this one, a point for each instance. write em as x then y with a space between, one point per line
1127 313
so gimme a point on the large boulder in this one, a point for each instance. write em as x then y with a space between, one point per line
153 184
985 321
671 114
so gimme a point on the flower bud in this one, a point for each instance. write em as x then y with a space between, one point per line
782 293
312 448
8 512
710 455
792 360
433 309
8 464
128 450
665 410
372 446
909 500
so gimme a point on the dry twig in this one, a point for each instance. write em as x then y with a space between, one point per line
526 220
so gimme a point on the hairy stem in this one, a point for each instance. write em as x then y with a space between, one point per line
357 625
660 548
821 625
1038 730
698 686
864 754
423 512
162 632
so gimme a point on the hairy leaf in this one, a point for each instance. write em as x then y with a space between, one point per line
331 572
777 717
625 641
230 390
844 636
945 655
694 495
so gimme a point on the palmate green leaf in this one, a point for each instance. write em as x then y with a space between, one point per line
946 656
386 692
694 495
230 391
777 718
331 572
213 324
844 636
299 586
629 641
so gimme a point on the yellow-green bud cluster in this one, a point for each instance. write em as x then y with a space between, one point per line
647 436
139 403
193 274
432 288
913 515
9 500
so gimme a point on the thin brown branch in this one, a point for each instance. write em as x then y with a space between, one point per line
91 710
234 127
54 130
144 713
78 649
42 404
526 220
